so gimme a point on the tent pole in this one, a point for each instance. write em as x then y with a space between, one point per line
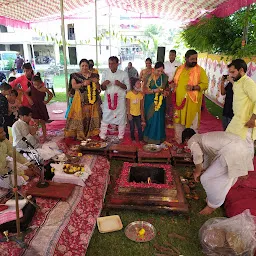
64 46
96 34
109 28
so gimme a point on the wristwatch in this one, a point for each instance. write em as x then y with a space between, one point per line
193 88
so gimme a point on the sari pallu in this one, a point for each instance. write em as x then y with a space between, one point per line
83 119
154 131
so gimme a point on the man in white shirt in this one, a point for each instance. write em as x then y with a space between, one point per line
171 66
224 156
115 83
170 69
21 129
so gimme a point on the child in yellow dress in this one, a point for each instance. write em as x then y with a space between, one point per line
135 110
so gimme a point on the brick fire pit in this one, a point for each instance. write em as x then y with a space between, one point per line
148 187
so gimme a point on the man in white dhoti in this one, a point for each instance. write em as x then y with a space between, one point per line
225 157
115 83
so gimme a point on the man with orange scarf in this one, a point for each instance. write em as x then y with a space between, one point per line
190 82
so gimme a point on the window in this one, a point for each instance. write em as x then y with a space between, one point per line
3 29
71 32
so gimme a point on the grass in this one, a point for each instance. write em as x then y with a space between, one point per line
60 97
116 243
213 108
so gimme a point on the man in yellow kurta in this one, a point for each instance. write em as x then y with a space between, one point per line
190 81
244 103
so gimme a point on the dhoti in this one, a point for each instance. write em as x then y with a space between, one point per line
217 183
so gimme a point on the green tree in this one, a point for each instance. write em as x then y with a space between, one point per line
224 35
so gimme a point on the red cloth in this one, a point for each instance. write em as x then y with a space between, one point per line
242 195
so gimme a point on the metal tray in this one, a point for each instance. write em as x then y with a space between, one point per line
152 148
133 229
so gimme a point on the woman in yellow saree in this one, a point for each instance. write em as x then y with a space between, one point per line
84 117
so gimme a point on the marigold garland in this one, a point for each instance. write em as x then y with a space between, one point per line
158 100
91 96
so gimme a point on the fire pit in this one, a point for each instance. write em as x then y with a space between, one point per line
148 187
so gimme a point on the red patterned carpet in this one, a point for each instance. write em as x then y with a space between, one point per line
65 227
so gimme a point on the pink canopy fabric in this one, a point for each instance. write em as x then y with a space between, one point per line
22 12
35 10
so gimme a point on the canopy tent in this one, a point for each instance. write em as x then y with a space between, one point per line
29 11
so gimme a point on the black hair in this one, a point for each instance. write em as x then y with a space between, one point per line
37 77
12 78
12 69
14 92
187 134
24 111
238 63
133 81
129 62
91 61
159 64
190 53
114 58
174 51
83 60
148 59
5 87
27 65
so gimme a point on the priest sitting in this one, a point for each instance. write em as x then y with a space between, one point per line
225 157
25 137
25 170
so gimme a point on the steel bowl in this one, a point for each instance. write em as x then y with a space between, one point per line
152 148
132 231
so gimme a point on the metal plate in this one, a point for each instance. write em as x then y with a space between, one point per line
152 148
133 229
95 145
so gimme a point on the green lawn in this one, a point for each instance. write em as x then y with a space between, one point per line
116 243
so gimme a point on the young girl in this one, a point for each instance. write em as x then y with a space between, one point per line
37 100
13 107
135 110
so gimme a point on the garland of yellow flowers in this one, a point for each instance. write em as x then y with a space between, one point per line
158 100
92 96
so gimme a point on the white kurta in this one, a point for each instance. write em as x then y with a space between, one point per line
20 129
117 116
170 69
225 157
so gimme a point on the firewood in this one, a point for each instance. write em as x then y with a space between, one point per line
186 188
174 235
173 248
164 250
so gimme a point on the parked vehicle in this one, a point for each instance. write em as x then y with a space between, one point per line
7 59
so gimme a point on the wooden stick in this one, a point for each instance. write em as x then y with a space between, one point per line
15 189
165 250
174 235
173 248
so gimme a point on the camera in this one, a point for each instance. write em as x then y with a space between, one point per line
225 76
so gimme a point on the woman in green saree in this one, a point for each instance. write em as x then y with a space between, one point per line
84 117
155 89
